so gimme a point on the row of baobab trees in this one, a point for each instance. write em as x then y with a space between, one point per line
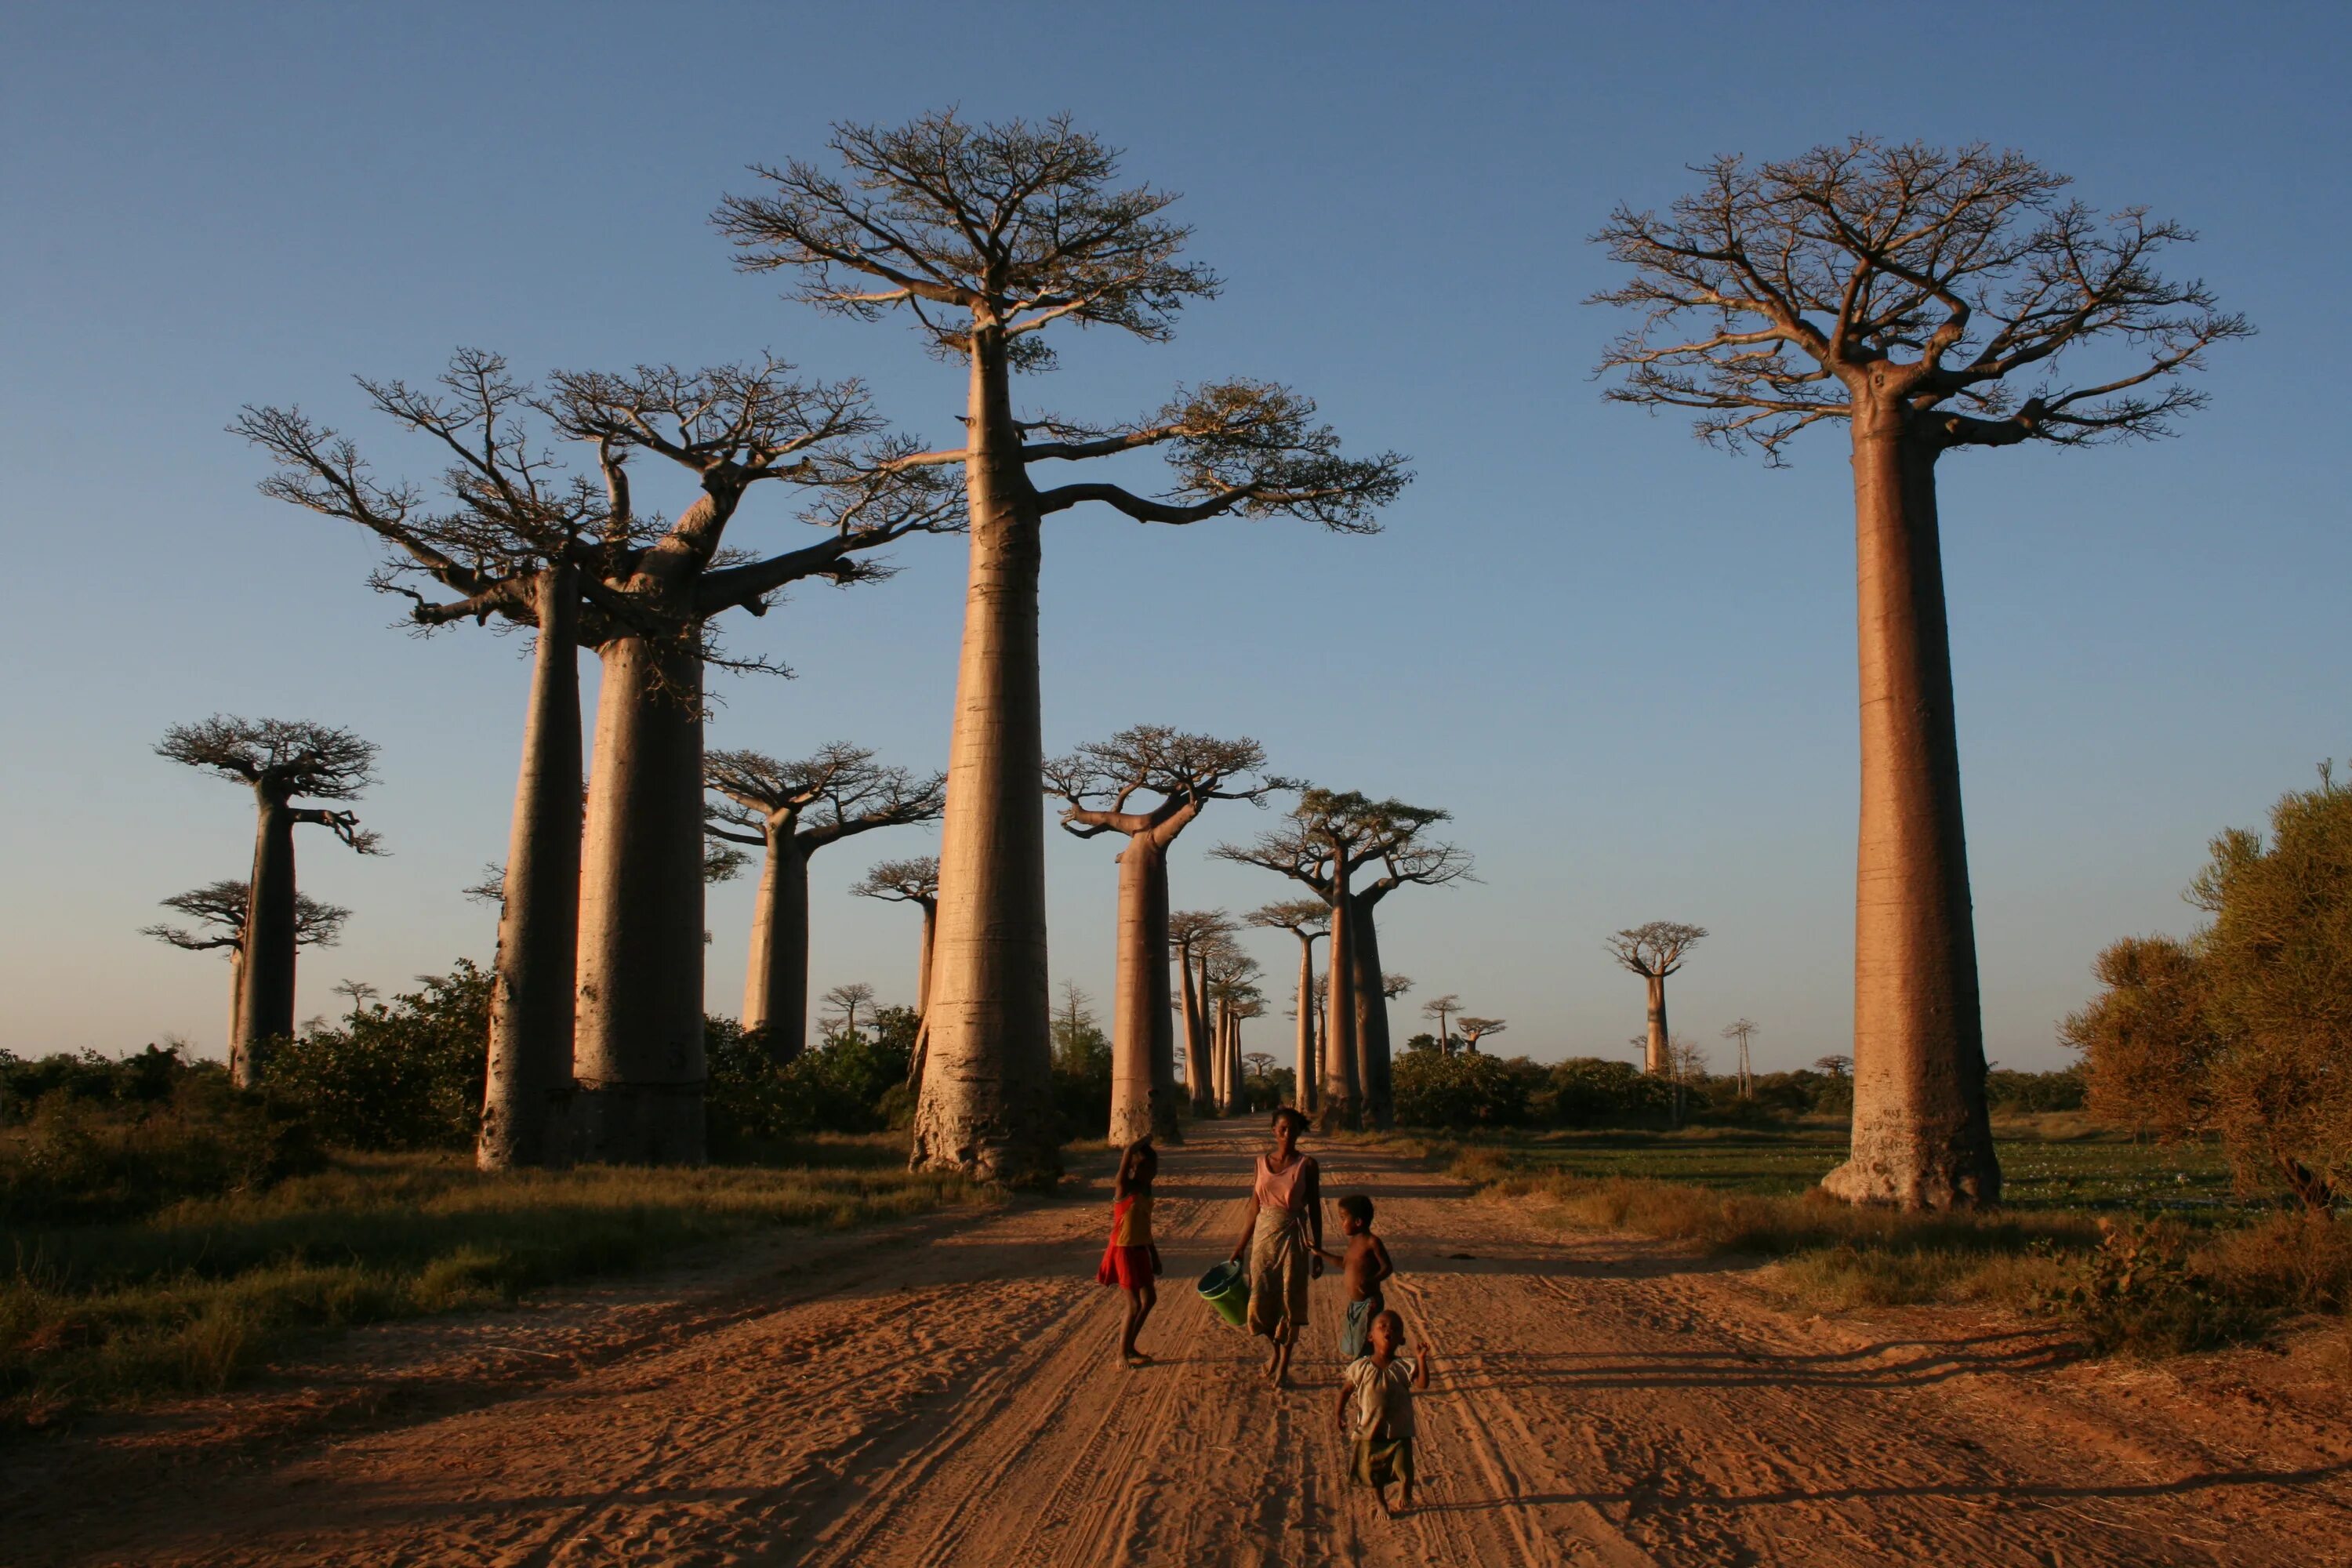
1924 296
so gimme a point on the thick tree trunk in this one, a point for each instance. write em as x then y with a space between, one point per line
236 993
528 1091
1237 1090
1372 1021
985 1106
1921 1136
1343 1104
1654 1056
1143 1032
1302 1094
638 1049
1197 1073
923 965
775 981
266 977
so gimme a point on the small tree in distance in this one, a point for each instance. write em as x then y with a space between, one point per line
841 1004
281 760
1927 297
1476 1029
1438 1009
1654 952
223 906
1743 1030
915 882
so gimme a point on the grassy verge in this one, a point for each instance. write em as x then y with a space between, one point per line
188 1297
2141 1247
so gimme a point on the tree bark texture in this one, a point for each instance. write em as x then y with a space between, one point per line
1372 1018
1654 1056
1143 1031
1342 1107
985 1106
266 976
1921 1135
775 979
1303 1088
528 1091
1196 1053
923 965
638 1047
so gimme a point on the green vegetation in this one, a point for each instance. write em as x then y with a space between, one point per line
192 1294
2244 1031
2141 1246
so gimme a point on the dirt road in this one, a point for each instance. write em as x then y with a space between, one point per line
945 1391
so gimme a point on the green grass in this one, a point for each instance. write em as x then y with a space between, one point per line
2146 1247
190 1297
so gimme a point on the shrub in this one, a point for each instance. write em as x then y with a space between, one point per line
81 1158
1588 1092
1464 1090
2035 1093
403 1076
2246 1029
850 1083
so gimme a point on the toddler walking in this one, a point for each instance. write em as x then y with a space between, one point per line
1379 1388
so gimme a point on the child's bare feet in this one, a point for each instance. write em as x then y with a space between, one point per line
1137 1358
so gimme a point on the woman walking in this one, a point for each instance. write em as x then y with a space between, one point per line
1283 1239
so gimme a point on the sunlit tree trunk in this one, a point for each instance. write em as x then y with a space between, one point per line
528 1089
266 977
1921 1136
923 966
1653 1054
985 1106
1343 1106
775 982
236 997
1143 1031
638 1049
1303 1091
1371 1017
1196 1055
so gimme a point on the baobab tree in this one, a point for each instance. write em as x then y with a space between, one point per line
1928 298
1742 1030
1309 920
1438 1009
1190 934
222 908
639 1045
281 761
915 882
790 811
988 236
512 543
1654 951
1329 836
1148 784
1476 1029
1231 977
843 1002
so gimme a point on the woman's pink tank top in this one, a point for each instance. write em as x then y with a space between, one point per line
1278 1189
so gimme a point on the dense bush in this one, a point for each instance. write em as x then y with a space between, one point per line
852 1082
78 1156
2031 1093
1081 1067
1588 1091
148 1077
1467 1089
2245 1030
406 1075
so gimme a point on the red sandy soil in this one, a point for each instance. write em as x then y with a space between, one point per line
947 1391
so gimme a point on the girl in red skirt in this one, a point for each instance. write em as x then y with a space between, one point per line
1130 1260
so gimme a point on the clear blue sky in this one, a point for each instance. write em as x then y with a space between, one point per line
1625 661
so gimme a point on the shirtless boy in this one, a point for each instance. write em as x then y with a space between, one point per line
1368 1268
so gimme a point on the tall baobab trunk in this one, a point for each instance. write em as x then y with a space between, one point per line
1236 1094
775 981
1303 1089
1143 1034
923 965
236 995
1197 1072
528 1083
1653 1053
266 976
1343 1105
985 1106
1371 1017
638 1051
1921 1136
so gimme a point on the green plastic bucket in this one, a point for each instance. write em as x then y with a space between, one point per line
1226 1288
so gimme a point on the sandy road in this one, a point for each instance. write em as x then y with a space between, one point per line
946 1391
